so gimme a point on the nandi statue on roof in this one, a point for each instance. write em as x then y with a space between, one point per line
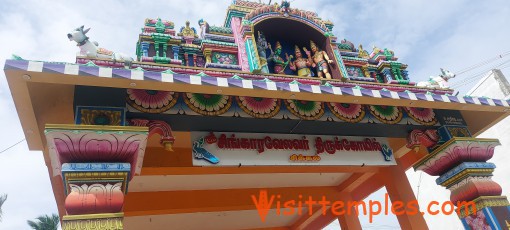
440 81
91 49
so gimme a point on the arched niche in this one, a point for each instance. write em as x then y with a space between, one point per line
290 32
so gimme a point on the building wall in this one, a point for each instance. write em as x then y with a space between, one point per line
495 85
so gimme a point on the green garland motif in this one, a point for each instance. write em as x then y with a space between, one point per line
386 114
306 110
208 104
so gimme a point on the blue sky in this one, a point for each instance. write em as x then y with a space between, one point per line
426 35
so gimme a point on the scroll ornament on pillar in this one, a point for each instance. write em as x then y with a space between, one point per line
428 138
157 127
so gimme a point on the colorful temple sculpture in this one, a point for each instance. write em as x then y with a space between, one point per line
183 134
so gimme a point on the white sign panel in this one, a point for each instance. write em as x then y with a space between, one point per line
234 149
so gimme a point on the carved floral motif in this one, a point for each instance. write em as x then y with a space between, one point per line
78 144
386 114
424 116
352 113
259 107
306 110
151 101
456 151
208 104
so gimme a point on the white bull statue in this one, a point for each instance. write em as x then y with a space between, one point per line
91 49
440 81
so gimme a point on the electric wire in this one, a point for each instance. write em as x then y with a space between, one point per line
485 62
12 146
480 74
418 189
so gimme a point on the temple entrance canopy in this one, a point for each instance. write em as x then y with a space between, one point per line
204 123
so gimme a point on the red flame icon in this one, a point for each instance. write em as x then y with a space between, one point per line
211 139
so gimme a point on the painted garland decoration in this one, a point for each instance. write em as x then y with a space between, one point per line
386 114
306 110
352 113
259 107
208 104
424 116
151 101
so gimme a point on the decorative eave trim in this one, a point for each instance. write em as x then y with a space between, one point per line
88 71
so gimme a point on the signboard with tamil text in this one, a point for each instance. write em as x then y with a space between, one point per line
249 149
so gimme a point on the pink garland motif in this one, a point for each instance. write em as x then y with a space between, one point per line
424 116
352 113
259 107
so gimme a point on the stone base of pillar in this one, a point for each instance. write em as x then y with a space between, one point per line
104 221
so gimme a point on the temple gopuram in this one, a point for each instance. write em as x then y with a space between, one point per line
237 126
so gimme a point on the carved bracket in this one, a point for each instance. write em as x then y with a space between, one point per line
157 127
427 138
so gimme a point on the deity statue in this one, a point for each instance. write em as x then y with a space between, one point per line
362 53
204 28
301 64
262 46
279 63
285 8
320 60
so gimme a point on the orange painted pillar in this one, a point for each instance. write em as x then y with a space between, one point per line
402 198
350 222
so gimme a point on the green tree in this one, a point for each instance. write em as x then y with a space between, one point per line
45 222
2 201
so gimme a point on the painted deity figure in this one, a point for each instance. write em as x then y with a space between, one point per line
262 47
285 8
301 64
320 60
204 28
279 63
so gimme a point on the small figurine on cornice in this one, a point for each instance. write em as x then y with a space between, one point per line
188 31
204 28
438 82
91 49
285 8
362 53
279 63
320 60
301 64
